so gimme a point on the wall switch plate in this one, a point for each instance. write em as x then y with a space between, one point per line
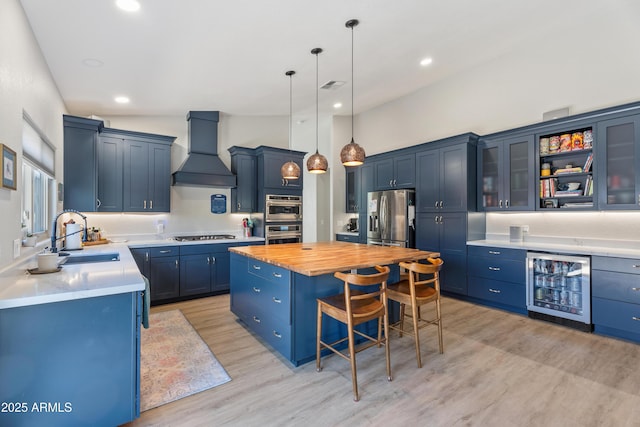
16 248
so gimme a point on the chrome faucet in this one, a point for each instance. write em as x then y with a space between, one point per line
54 228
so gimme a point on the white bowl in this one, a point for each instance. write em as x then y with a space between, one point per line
47 261
572 186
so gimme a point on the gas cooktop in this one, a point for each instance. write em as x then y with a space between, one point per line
204 237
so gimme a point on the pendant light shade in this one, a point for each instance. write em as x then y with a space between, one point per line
317 163
290 170
352 154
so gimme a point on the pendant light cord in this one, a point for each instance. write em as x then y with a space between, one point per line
352 84
317 101
290 108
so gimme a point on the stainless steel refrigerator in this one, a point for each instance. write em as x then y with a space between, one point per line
391 218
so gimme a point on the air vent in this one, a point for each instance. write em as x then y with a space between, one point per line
332 85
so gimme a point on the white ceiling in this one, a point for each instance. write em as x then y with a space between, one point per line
173 56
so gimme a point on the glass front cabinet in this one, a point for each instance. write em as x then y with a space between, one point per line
619 180
506 174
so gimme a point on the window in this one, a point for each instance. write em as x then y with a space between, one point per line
38 184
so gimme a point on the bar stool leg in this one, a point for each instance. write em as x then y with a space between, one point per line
402 306
318 336
352 359
439 314
416 332
386 342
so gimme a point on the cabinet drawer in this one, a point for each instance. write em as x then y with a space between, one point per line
506 270
269 272
275 333
272 299
494 252
615 314
616 286
622 265
161 251
506 293
347 238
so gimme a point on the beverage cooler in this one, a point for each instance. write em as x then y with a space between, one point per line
559 289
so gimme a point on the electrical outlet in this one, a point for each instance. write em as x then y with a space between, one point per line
525 228
16 248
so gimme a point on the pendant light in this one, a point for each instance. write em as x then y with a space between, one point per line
352 154
290 170
317 163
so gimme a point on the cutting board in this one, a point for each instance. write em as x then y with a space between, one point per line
96 242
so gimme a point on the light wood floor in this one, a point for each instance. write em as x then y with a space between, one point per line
498 369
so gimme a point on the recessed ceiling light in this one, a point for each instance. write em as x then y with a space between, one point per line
337 105
92 62
128 5
426 61
122 99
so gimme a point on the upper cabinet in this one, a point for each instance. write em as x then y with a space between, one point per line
352 189
111 170
270 161
618 152
446 177
505 173
244 166
395 172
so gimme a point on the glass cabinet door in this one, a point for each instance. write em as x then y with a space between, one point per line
520 177
490 164
618 143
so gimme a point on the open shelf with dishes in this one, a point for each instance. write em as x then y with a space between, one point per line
565 174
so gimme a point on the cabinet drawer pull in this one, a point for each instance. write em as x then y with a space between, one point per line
635 289
636 266
636 318
494 252
146 256
277 300
277 275
494 268
150 204
168 251
98 203
256 319
144 204
495 291
256 267
256 290
277 334
436 204
177 265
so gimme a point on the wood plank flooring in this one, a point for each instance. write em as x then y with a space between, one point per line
498 369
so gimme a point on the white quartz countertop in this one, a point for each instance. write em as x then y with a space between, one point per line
76 281
597 247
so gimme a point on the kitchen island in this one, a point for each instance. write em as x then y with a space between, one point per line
70 341
274 288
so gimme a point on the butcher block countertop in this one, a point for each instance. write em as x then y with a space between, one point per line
315 259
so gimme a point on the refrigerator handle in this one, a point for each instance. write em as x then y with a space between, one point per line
383 215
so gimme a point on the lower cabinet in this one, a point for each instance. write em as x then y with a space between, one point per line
353 238
80 357
615 297
186 270
446 233
280 306
497 277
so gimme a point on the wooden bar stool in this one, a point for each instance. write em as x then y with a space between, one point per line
354 307
416 293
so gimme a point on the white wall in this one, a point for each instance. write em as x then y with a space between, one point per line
25 85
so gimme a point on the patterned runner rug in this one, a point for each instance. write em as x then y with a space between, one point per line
175 361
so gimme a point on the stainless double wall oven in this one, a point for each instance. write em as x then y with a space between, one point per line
283 219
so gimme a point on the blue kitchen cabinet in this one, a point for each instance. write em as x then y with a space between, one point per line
340 237
204 269
80 358
141 257
506 179
446 233
279 306
244 165
164 272
352 189
618 163
366 172
270 161
397 171
80 163
497 277
446 178
615 297
147 176
110 170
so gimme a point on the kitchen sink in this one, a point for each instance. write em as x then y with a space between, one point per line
83 259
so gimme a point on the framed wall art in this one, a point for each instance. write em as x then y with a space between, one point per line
9 166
